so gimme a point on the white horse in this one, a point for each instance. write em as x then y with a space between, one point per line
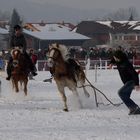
66 72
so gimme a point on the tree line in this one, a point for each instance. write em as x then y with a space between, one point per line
120 14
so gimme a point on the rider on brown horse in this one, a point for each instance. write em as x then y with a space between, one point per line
18 40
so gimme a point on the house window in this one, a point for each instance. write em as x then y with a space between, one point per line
115 37
120 37
138 37
131 37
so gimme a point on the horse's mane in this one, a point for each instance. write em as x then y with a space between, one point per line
15 51
63 50
20 58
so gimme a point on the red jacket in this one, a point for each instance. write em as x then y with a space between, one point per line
34 58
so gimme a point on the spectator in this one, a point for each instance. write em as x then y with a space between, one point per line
33 57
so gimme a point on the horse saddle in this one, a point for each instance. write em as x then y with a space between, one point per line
72 65
15 63
74 68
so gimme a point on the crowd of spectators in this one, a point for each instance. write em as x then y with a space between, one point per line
82 53
100 53
93 53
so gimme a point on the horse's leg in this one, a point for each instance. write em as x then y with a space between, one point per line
21 84
16 85
13 84
86 92
77 96
82 81
64 98
25 86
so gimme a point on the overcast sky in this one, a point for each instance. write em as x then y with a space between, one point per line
90 4
68 10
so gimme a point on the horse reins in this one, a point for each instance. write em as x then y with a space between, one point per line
93 87
96 89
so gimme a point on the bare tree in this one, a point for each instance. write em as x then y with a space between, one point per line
4 15
122 14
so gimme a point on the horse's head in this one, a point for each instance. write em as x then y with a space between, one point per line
16 53
19 73
56 53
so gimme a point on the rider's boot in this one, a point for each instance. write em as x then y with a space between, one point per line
8 77
9 71
33 73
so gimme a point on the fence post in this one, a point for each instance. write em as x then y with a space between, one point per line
95 68
37 65
100 63
133 61
105 64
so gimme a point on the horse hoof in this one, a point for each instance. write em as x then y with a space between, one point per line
66 110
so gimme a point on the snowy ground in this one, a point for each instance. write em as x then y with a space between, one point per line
39 116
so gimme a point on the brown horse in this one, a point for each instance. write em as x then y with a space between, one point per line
19 70
66 73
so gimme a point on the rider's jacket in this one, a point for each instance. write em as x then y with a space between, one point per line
18 41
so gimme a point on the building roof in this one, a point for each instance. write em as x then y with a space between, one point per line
54 32
122 26
3 31
91 28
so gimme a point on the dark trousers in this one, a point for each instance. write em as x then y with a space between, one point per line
125 93
29 61
9 67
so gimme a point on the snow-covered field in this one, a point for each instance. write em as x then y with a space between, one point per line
39 116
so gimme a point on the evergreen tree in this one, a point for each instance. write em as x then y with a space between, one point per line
15 19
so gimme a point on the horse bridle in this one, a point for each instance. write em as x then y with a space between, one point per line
15 63
51 56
